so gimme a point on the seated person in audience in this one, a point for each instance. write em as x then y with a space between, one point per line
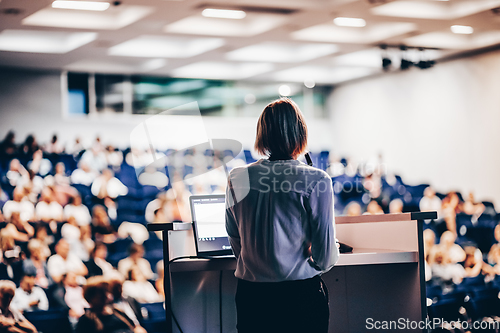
429 245
108 186
101 317
24 230
373 208
159 284
39 165
353 209
474 264
17 174
444 269
373 184
125 304
33 187
36 264
396 206
449 209
430 202
135 258
73 297
83 175
60 177
42 234
79 211
64 262
471 207
48 209
95 158
11 320
8 146
453 251
86 237
70 231
114 157
53 147
11 266
28 296
97 264
139 288
494 258
20 204
101 226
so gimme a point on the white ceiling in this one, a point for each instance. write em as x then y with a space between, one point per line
280 40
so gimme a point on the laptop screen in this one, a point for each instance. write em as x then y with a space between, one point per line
209 223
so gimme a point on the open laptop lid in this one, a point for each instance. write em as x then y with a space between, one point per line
209 224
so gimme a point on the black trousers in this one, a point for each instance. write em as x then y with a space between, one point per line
282 307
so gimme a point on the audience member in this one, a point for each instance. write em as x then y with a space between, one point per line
20 204
28 296
48 209
430 202
97 264
76 209
396 206
64 262
36 264
353 209
108 186
83 175
11 320
102 230
125 304
135 258
101 317
139 288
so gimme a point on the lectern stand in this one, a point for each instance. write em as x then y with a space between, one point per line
382 280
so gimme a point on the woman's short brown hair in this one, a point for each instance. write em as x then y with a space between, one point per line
281 130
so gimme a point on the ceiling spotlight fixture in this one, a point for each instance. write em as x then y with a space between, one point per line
81 5
349 22
405 63
284 90
224 13
424 62
462 29
309 83
386 61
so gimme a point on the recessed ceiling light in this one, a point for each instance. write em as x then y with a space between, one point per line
462 29
281 52
34 41
222 70
309 83
81 5
224 13
349 22
165 47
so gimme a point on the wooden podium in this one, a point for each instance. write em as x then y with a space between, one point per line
382 280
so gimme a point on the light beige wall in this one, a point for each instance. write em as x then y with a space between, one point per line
439 126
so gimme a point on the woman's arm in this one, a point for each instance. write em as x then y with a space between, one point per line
324 250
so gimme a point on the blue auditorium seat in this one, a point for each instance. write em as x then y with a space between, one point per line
156 320
50 321
448 310
248 156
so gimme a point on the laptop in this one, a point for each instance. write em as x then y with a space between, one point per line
209 224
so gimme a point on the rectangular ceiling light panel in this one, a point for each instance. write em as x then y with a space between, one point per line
281 52
438 10
369 34
112 19
35 41
165 47
324 75
222 70
252 24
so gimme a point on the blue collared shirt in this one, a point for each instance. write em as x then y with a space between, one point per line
280 221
